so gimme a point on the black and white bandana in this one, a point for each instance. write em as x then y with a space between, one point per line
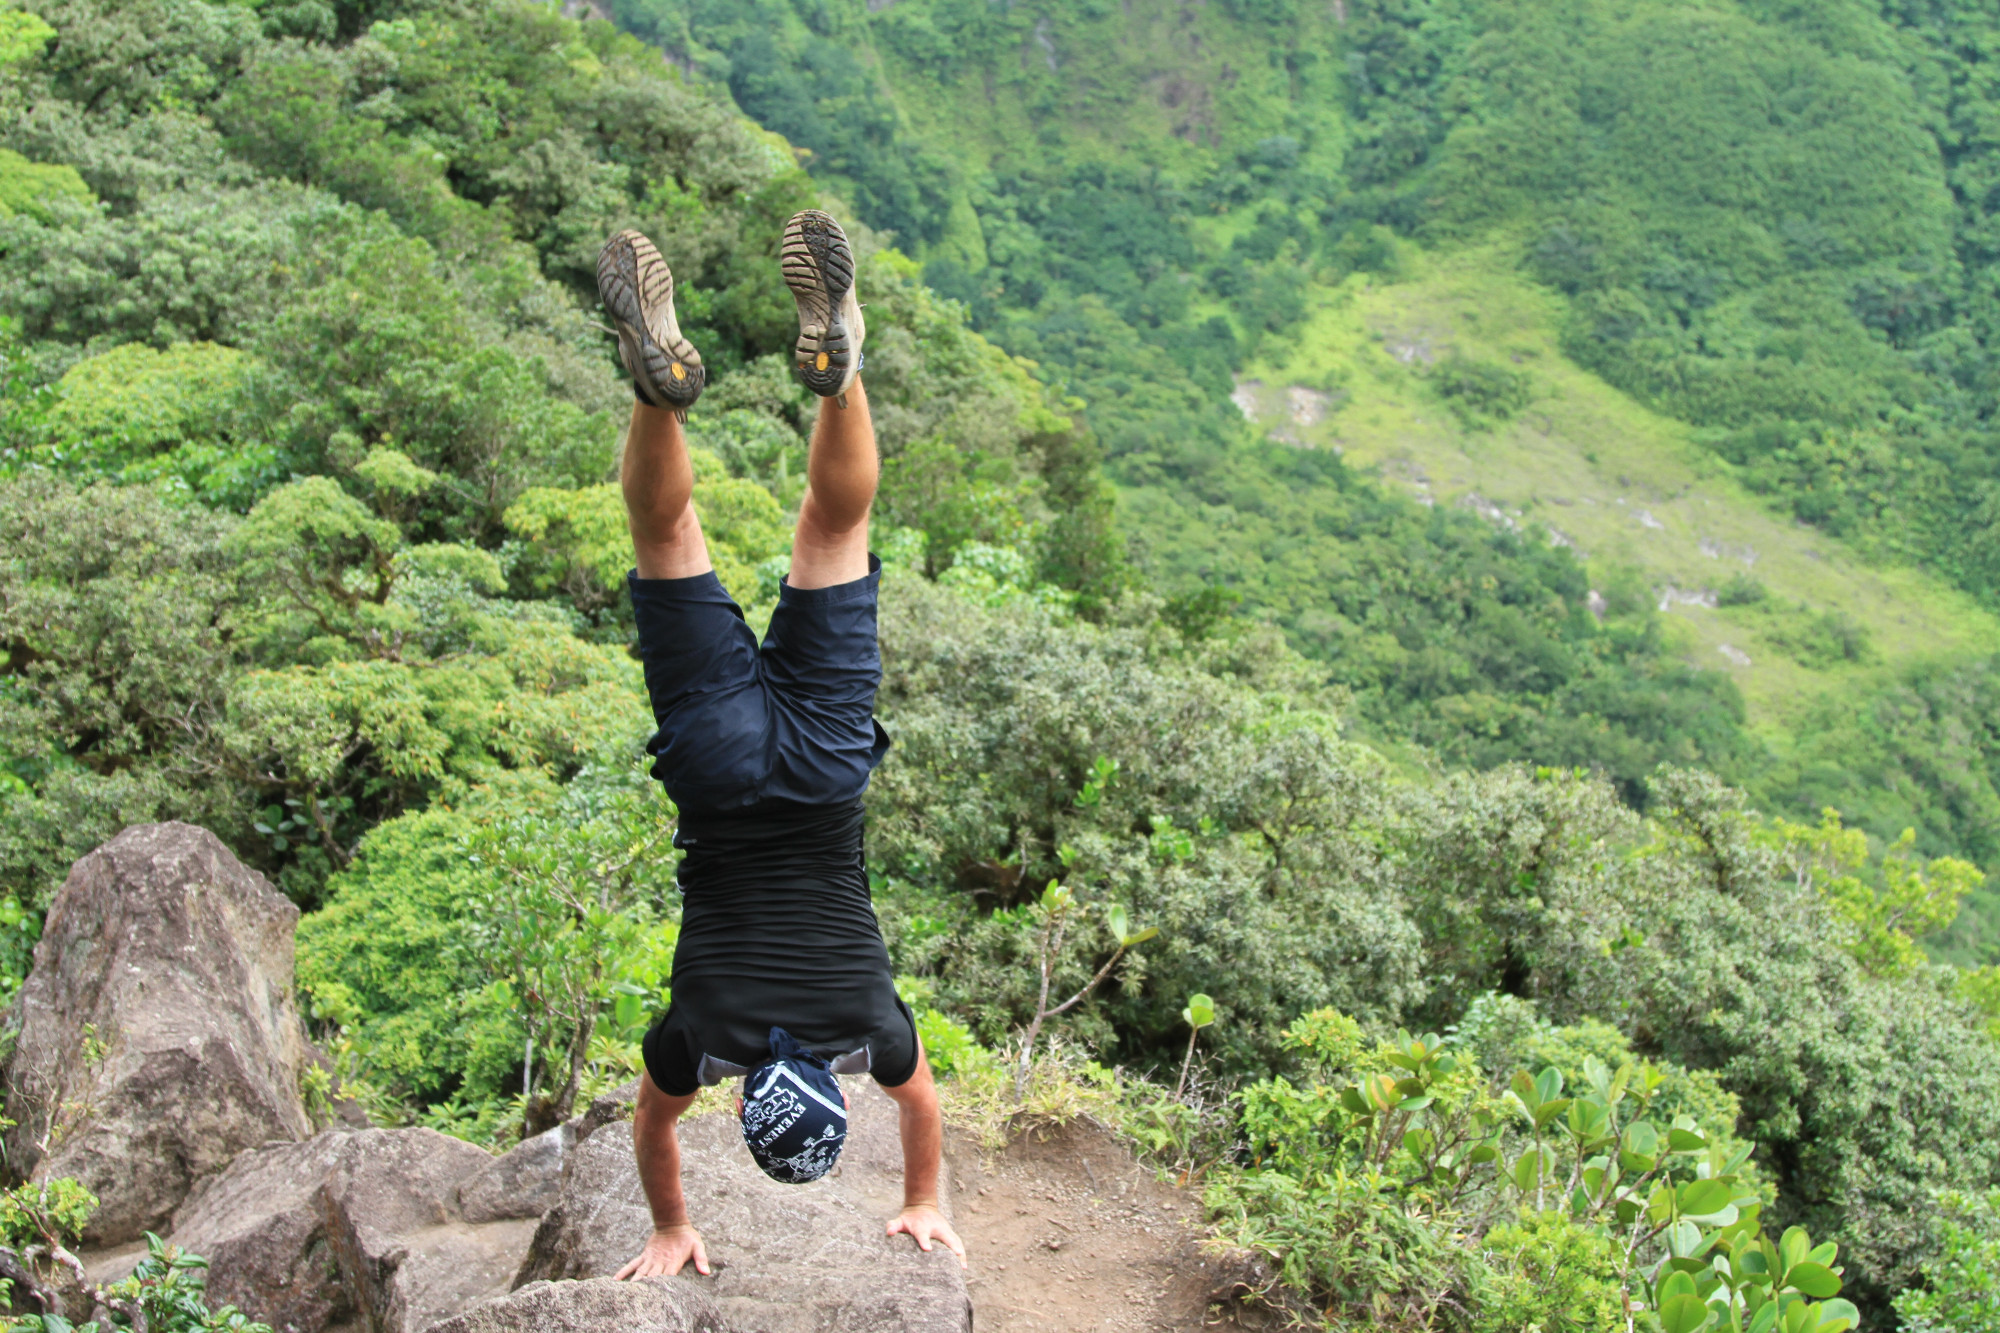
794 1113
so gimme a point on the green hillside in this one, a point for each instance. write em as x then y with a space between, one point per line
1695 288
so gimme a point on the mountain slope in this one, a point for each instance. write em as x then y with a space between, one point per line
1761 223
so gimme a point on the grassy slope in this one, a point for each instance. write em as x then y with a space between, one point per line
1184 87
1171 84
1627 486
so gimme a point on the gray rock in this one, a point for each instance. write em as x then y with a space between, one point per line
602 1305
360 1226
788 1258
158 1037
612 1106
406 1257
260 1227
523 1182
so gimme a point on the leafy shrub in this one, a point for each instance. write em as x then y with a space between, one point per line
1741 590
1408 1146
1480 392
140 414
49 1213
163 1294
1960 1292
1550 1272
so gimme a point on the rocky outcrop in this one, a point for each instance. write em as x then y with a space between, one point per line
407 1257
352 1225
157 1058
260 1227
788 1258
157 1037
649 1305
523 1182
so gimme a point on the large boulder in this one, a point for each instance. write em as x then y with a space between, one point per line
409 1259
787 1258
525 1181
157 1036
260 1227
602 1305
360 1226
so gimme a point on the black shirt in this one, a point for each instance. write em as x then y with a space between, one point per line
778 930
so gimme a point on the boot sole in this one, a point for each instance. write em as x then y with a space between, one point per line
634 281
819 268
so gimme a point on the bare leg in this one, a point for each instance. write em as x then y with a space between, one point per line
831 544
659 498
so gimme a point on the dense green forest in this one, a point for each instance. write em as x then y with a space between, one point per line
1148 199
308 421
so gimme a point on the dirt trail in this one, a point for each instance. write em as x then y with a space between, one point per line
1067 1233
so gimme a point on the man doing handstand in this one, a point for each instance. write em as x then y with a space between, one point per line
780 974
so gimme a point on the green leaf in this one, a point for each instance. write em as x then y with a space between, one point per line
1148 933
1353 1100
1641 1138
1685 1140
1635 1163
1527 1169
1764 1319
1837 1316
1684 1239
1701 1199
1524 1088
1119 920
1676 1282
1814 1280
1683 1313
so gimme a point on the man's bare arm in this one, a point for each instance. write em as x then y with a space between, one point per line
922 1126
657 1145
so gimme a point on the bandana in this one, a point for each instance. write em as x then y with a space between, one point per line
794 1114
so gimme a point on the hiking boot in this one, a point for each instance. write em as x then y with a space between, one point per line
637 288
819 268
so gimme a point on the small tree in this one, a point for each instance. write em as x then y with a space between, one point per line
1058 907
566 902
1200 1012
1883 913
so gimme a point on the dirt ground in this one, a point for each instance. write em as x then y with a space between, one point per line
1067 1233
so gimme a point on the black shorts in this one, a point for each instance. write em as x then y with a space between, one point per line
674 1050
739 724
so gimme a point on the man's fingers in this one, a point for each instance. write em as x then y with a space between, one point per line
951 1239
923 1240
700 1259
628 1270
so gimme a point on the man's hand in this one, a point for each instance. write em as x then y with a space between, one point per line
923 1223
669 1248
